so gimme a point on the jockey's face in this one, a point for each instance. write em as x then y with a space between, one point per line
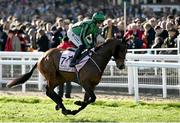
98 24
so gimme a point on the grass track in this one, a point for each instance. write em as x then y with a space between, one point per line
41 109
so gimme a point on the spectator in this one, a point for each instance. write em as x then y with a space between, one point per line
32 36
163 24
170 26
158 38
42 41
12 43
120 26
133 37
68 90
65 44
170 18
139 28
80 18
177 23
3 38
110 30
171 41
66 24
23 40
149 34
48 30
152 22
140 31
57 36
164 33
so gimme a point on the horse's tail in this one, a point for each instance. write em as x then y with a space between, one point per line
21 79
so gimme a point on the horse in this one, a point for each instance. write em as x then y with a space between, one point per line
89 76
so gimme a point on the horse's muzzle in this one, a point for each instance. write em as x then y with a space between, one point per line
121 66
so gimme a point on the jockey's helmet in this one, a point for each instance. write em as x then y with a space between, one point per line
98 17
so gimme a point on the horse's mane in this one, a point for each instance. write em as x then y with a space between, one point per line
104 44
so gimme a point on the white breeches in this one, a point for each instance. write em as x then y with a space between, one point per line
74 38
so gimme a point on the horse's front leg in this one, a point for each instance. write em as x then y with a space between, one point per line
89 97
57 99
86 98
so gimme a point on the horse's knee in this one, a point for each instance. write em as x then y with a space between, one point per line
49 94
47 91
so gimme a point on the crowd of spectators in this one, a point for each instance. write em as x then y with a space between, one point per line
28 25
154 33
48 10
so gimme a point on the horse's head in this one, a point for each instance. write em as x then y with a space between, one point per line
119 53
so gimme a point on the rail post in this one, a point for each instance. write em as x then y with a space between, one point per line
23 72
164 82
130 80
136 86
40 81
178 46
1 75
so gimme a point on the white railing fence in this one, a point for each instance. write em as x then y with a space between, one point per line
142 71
151 51
13 64
135 65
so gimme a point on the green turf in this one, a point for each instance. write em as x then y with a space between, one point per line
38 109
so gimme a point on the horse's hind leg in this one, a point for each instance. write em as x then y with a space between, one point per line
57 99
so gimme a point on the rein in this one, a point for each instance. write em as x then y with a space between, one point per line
93 51
96 64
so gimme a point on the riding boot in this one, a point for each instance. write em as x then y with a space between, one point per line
76 55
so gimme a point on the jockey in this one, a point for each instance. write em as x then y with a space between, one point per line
83 34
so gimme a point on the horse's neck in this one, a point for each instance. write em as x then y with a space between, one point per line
103 56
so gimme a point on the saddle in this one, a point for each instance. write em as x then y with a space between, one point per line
67 56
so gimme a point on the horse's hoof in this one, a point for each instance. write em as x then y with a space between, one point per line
83 105
79 103
74 112
66 112
57 107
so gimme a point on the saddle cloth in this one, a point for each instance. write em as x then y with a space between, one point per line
65 60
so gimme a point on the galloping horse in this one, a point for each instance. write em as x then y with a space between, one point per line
89 76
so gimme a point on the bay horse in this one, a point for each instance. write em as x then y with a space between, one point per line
89 76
